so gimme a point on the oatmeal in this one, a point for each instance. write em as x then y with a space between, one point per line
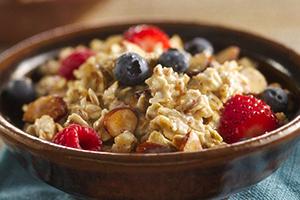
145 92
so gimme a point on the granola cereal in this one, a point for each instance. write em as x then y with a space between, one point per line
173 99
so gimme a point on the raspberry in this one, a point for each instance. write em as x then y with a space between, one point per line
72 62
245 117
147 37
79 137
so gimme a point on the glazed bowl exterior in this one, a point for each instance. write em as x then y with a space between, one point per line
209 174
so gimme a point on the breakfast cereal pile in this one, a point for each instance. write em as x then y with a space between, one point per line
146 92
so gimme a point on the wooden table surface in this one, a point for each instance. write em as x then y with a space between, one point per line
278 20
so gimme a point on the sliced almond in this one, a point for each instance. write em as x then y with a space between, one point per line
148 147
189 143
230 53
119 120
179 141
257 81
193 143
54 106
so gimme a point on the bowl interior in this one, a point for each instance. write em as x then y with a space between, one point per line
278 63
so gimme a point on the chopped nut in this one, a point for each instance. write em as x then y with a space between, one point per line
158 138
192 143
179 141
124 143
119 120
53 106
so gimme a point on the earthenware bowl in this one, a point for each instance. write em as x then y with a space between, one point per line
212 173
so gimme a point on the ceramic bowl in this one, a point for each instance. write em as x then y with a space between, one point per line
212 173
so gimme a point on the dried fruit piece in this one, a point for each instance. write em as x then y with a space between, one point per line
148 147
119 120
54 106
79 137
230 53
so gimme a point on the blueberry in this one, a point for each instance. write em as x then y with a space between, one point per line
276 98
175 59
15 94
199 45
19 92
131 69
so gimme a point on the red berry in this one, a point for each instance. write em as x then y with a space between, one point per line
72 62
147 37
245 117
79 137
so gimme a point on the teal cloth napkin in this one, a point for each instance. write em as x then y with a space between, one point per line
17 184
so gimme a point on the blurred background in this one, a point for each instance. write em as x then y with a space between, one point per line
277 20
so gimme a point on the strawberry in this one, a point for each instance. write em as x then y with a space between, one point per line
245 117
72 62
147 37
79 137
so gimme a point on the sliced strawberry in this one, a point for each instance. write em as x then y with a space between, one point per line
147 37
73 62
245 117
79 137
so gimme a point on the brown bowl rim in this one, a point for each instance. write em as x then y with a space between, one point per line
286 132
